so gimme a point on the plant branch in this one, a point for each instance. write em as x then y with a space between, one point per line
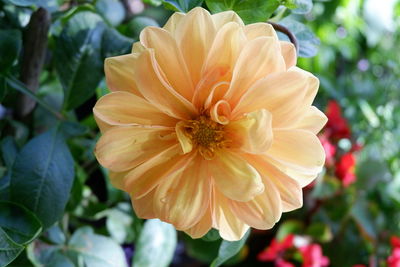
34 53
289 34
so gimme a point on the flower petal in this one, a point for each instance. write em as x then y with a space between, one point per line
230 227
186 142
202 226
169 58
253 133
123 108
117 179
227 45
259 58
234 177
221 112
260 29
144 206
123 148
263 211
313 121
280 93
173 22
299 151
149 174
183 197
153 87
195 34
289 54
222 18
289 189
119 73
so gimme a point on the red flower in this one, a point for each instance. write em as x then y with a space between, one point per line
337 126
394 258
282 263
395 241
313 257
330 150
276 249
345 169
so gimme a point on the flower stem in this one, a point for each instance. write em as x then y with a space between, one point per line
289 34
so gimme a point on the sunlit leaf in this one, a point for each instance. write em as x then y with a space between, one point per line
156 244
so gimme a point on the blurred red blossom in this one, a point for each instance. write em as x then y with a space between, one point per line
337 126
313 257
395 241
276 250
330 150
345 169
394 258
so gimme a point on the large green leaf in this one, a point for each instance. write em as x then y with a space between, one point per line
9 250
249 11
95 250
78 58
181 5
228 249
42 176
21 225
308 42
10 45
156 245
112 10
114 43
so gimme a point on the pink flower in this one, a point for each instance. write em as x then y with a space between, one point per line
394 258
337 126
345 169
313 257
276 250
330 150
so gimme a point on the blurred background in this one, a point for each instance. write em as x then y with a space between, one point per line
52 51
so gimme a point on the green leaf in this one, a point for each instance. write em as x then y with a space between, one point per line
10 45
24 2
3 88
21 225
95 250
78 58
114 43
9 250
112 10
320 232
308 42
9 151
300 6
289 227
228 249
181 5
249 11
42 176
204 251
137 24
156 244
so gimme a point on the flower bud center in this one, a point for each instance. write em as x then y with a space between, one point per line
206 134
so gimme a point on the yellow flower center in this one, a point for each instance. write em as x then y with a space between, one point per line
206 134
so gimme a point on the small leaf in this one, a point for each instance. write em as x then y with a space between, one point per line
156 244
229 249
289 227
95 250
308 42
320 232
249 11
21 225
42 176
9 151
9 250
137 24
10 45
181 5
78 58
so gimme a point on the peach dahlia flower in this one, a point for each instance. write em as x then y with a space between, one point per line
210 125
